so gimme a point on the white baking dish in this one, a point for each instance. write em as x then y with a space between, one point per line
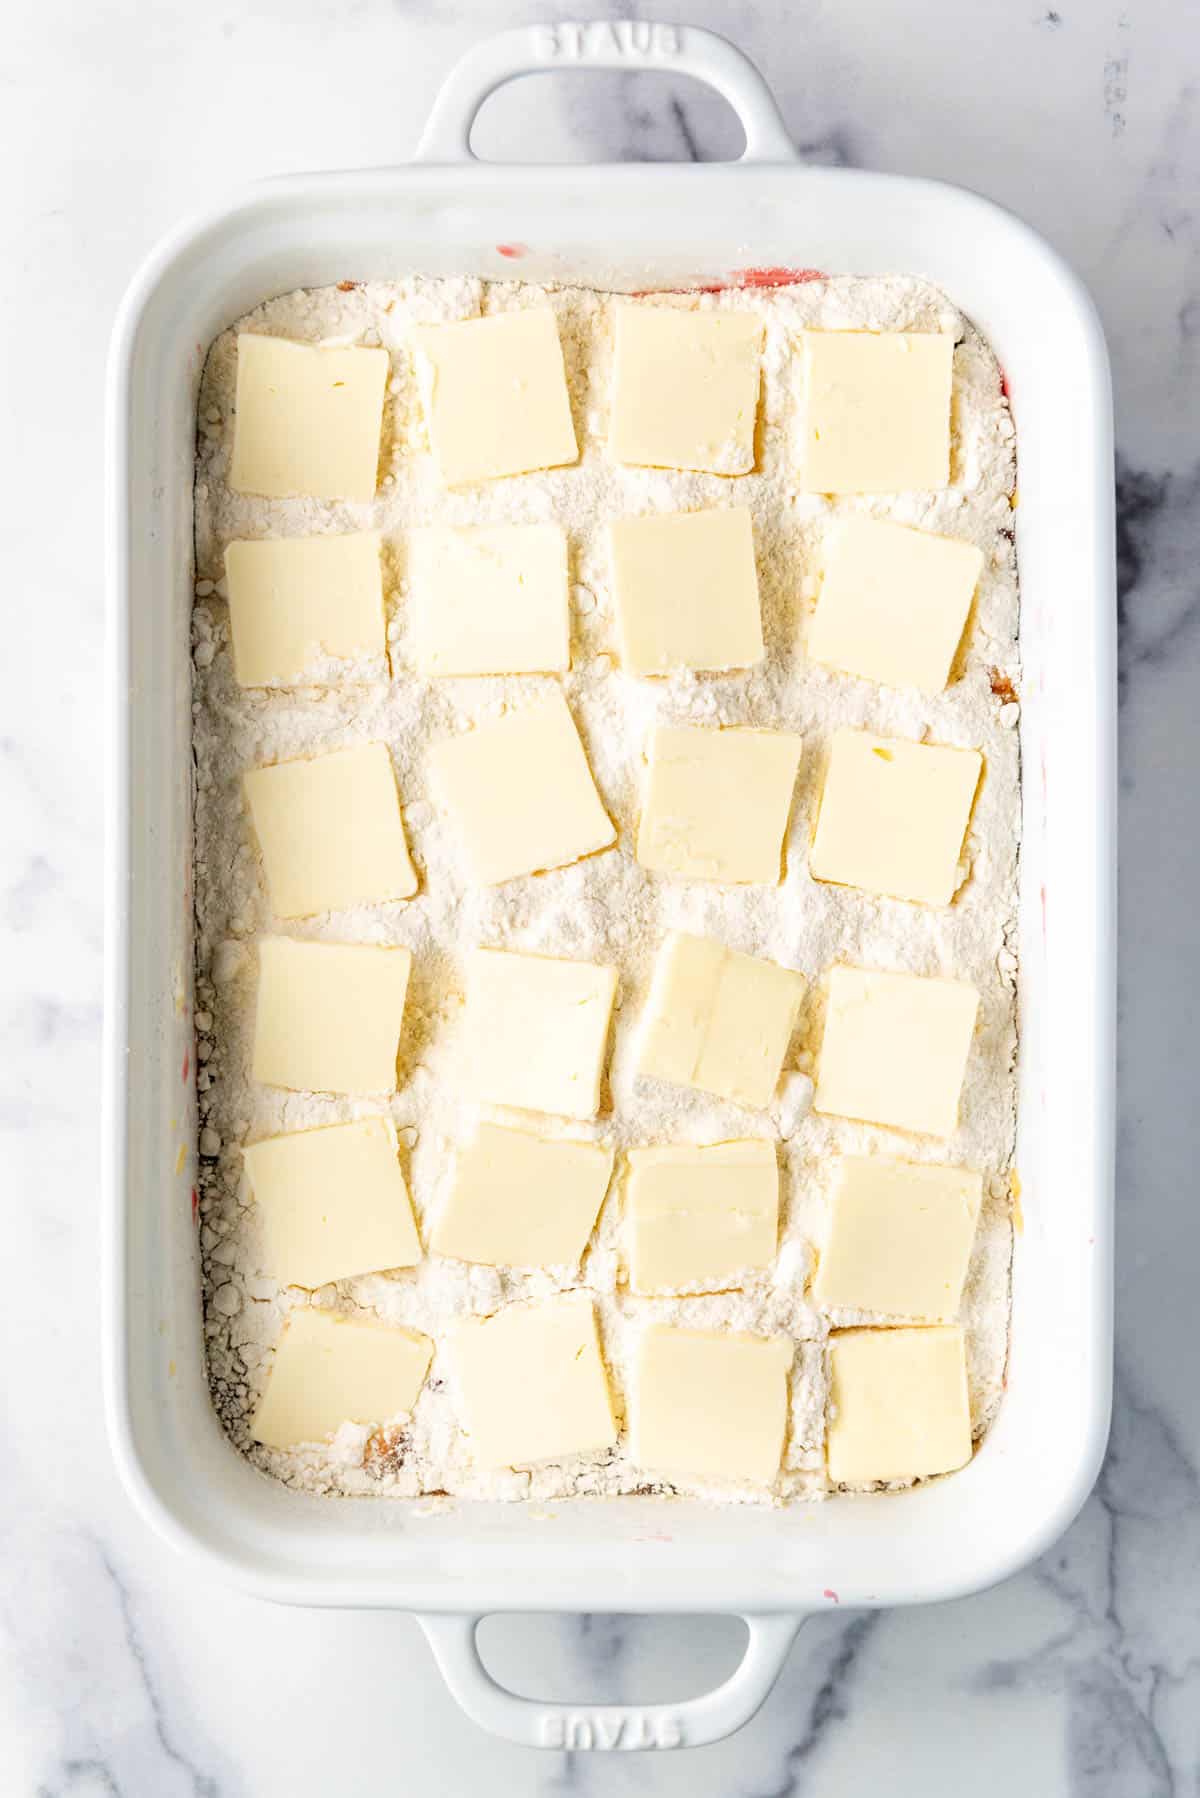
632 227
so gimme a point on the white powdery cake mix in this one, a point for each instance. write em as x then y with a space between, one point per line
605 908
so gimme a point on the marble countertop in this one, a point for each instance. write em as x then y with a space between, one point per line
121 1670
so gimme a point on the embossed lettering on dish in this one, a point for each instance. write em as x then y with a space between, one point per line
599 1729
637 39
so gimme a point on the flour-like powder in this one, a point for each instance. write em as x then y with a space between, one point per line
606 908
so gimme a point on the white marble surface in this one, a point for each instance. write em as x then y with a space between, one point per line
121 1672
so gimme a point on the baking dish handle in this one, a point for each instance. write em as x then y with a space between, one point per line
623 44
689 1724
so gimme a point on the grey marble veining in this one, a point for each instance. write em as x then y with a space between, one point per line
123 1672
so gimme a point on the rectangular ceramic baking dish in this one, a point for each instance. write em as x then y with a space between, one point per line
624 227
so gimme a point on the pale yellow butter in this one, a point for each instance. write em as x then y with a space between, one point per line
295 602
718 1020
700 1217
308 419
521 793
489 601
686 591
522 1200
899 1238
537 1031
875 411
685 388
533 1383
331 1370
717 803
710 1405
332 1203
496 400
893 816
898 1406
330 831
894 603
329 1015
895 1049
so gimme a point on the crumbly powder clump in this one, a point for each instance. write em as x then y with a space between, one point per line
605 908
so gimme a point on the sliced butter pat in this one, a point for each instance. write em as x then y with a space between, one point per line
718 1020
898 1404
496 399
893 816
329 1015
331 1370
701 1217
895 1049
330 831
685 388
686 591
537 1031
875 411
710 1405
717 803
308 419
894 603
521 793
332 1203
490 601
520 1200
900 1238
533 1383
295 602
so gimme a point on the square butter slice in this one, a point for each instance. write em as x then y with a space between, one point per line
700 1218
894 603
520 793
330 1370
898 1407
522 1200
718 1020
533 1383
685 387
489 601
710 1405
330 831
308 419
875 411
686 591
537 1031
332 1203
329 1014
895 1049
899 1238
496 400
298 602
717 803
893 816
